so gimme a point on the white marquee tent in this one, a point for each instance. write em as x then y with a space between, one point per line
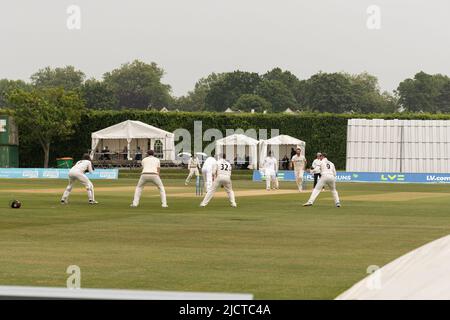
239 146
133 134
280 146
421 274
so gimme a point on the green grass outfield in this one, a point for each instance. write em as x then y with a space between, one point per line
269 246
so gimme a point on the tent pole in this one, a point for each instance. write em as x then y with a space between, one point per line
128 149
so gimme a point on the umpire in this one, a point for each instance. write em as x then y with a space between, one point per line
314 167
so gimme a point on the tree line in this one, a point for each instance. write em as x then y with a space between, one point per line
139 85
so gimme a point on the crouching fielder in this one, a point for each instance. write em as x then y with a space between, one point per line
328 177
151 168
77 173
207 172
222 173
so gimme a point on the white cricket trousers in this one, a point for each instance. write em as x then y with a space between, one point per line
84 180
207 179
224 181
271 179
325 180
153 179
299 178
192 171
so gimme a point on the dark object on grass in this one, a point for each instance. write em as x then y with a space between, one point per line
16 204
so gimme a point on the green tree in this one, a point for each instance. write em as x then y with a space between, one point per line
368 98
288 79
7 86
46 115
97 95
224 92
330 92
138 85
300 94
421 93
196 100
249 102
67 78
443 99
277 93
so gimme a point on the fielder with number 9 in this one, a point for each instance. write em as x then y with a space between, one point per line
328 177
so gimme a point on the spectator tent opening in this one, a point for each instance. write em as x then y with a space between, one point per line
133 134
239 149
281 146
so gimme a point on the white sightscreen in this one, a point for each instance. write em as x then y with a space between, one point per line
398 146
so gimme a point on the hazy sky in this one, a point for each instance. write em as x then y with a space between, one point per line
192 38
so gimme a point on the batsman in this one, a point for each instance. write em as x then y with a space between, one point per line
193 166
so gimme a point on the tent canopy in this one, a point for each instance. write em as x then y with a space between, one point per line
130 130
239 147
281 146
419 274
285 140
237 139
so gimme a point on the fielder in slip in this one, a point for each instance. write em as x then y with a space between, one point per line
150 174
77 173
207 172
298 161
222 173
328 177
270 171
193 166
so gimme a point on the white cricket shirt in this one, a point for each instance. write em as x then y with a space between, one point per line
209 164
82 166
316 166
223 168
193 163
270 164
327 167
150 164
299 162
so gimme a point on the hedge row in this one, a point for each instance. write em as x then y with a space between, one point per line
322 132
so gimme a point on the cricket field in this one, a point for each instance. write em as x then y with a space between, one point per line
269 246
